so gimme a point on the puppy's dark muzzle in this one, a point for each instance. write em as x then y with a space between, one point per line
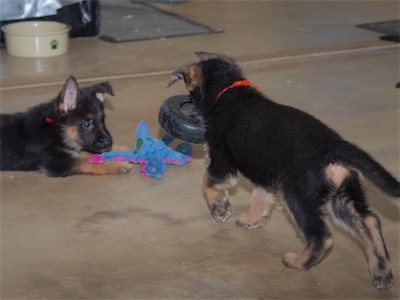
102 144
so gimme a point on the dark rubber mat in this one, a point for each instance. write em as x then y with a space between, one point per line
124 22
390 29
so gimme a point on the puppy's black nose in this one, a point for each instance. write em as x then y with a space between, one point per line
103 143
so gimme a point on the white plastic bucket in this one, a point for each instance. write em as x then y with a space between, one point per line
36 38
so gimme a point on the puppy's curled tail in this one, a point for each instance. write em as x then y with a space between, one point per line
356 158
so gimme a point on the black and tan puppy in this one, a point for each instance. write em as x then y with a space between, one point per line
282 148
51 137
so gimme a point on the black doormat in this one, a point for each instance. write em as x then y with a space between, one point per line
124 22
390 29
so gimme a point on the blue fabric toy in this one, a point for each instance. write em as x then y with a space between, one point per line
153 155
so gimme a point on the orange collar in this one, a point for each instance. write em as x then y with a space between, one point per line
236 84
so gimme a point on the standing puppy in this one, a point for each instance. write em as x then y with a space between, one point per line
281 148
51 136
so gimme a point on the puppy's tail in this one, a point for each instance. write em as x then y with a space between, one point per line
356 158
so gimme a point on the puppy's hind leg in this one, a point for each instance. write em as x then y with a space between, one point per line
318 238
262 203
349 210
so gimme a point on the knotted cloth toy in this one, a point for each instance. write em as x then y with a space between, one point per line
153 155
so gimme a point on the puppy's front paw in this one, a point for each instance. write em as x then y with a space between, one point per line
120 168
248 221
221 210
293 260
117 167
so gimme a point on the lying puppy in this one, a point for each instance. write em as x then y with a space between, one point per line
51 136
281 148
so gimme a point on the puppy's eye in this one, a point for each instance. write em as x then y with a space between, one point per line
87 124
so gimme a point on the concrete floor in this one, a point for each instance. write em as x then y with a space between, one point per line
129 237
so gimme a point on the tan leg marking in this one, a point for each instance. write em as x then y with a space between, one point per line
367 229
310 253
262 203
118 168
336 174
119 148
217 197
375 250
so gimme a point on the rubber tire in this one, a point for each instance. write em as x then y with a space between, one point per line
177 118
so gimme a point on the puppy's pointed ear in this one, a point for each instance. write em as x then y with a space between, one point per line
100 89
202 56
174 77
68 98
191 74
205 55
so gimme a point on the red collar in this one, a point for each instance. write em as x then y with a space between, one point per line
237 84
